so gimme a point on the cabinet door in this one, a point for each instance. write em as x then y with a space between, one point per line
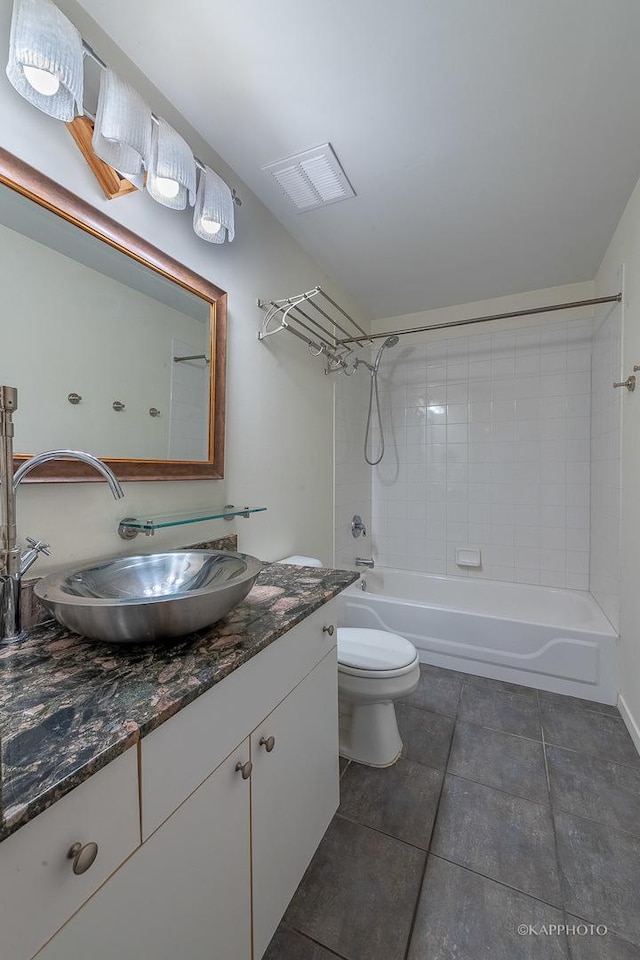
294 791
38 888
185 893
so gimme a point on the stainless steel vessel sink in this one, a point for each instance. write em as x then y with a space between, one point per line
148 598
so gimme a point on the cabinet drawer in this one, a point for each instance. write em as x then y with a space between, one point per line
38 888
180 754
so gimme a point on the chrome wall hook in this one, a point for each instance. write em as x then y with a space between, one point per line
629 383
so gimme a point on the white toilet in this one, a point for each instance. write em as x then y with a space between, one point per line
375 668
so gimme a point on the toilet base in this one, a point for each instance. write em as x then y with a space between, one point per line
369 734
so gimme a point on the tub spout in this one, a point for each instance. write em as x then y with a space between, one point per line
365 562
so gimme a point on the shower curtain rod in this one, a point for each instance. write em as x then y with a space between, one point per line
495 316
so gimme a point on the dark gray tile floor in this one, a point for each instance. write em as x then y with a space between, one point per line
509 830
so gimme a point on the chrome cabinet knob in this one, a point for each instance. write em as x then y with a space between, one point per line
244 768
83 856
330 629
268 743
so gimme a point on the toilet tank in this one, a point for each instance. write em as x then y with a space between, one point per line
302 561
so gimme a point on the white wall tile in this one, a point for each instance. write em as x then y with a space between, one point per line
489 443
494 453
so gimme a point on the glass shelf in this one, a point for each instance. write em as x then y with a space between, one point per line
130 527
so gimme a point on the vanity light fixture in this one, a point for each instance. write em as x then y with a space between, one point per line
171 174
46 66
46 58
213 218
123 127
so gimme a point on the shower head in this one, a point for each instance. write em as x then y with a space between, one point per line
389 342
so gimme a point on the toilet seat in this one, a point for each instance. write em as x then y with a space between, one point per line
378 674
368 652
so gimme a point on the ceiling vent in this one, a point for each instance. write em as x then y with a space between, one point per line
312 179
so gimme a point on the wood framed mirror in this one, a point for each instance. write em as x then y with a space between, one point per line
115 347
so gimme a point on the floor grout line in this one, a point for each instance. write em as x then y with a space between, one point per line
594 756
490 786
562 881
498 730
486 684
420 763
506 733
318 943
540 720
501 883
426 859
579 709
557 809
383 833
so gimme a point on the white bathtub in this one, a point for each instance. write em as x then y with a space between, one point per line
557 640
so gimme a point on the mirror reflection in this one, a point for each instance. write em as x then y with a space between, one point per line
107 355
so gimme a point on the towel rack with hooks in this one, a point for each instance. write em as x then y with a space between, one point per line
315 318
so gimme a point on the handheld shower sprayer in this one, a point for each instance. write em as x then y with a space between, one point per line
389 342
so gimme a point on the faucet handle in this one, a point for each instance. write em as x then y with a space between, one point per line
39 546
29 557
357 526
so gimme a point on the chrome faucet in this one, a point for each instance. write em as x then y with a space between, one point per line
13 562
365 562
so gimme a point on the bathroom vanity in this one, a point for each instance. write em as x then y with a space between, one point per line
205 772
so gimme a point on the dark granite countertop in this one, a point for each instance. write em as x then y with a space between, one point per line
68 706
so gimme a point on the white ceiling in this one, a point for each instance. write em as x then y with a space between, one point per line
492 145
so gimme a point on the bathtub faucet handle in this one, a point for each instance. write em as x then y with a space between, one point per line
365 562
357 526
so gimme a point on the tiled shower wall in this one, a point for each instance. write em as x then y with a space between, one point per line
488 445
606 411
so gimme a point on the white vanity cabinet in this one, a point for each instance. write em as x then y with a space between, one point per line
227 840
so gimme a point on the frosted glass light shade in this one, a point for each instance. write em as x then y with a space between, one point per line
213 217
123 127
172 162
45 58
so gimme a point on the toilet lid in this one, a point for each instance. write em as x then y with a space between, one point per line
373 649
